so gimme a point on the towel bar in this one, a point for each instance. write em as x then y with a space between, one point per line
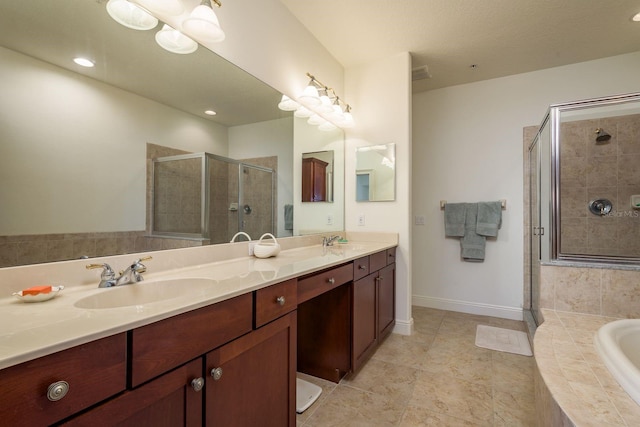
503 204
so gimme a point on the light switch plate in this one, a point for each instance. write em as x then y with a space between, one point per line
361 219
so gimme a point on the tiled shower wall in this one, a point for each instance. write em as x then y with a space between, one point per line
609 170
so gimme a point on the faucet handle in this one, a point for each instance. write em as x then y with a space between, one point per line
107 272
138 268
108 276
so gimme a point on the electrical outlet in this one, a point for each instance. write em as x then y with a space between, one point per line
361 220
419 220
329 219
251 245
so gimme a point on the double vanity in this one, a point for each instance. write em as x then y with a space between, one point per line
211 336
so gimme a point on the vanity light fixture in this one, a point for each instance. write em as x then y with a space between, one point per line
84 62
200 24
130 15
174 41
321 105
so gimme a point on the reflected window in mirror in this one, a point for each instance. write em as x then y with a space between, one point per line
376 173
317 176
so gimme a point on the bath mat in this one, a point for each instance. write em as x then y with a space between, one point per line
501 339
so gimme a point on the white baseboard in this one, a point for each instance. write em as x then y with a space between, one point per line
403 327
503 312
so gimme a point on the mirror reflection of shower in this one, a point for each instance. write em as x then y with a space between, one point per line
206 197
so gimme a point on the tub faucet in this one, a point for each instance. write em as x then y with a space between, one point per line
131 274
328 241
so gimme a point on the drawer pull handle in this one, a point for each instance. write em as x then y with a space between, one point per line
57 390
280 300
216 373
362 267
331 280
197 384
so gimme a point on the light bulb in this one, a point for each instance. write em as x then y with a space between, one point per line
288 104
310 96
130 15
203 24
303 112
316 120
174 41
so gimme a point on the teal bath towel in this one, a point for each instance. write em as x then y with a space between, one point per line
454 219
472 244
489 218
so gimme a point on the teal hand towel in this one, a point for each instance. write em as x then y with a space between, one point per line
454 219
489 218
288 217
472 244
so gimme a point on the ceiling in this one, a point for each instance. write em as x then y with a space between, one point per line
57 31
501 37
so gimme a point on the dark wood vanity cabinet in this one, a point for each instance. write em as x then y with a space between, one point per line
314 180
46 390
373 312
232 363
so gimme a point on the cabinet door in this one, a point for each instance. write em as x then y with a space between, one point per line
251 381
386 300
364 319
169 400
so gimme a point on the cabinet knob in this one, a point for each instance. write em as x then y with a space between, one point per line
57 390
331 280
197 384
362 267
280 300
216 373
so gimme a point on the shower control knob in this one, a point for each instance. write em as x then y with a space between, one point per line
197 384
57 390
216 373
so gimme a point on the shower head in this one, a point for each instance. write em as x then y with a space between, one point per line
602 135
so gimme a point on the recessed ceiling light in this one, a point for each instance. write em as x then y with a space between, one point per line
210 113
84 62
473 66
636 17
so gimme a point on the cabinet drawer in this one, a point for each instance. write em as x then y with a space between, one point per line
360 268
391 256
377 260
93 372
275 301
312 286
161 346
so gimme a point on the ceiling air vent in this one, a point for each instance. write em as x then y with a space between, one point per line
420 73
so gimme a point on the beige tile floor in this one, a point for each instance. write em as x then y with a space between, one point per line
435 377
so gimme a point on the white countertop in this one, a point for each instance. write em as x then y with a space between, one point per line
31 330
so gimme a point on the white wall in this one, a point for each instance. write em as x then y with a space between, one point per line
380 93
467 146
65 137
270 138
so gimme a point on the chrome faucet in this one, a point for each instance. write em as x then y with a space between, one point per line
328 241
131 274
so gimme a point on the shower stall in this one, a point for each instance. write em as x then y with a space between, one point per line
209 197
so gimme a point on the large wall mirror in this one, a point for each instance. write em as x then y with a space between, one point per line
594 190
77 144
376 173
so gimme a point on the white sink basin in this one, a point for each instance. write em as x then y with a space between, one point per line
618 344
144 293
